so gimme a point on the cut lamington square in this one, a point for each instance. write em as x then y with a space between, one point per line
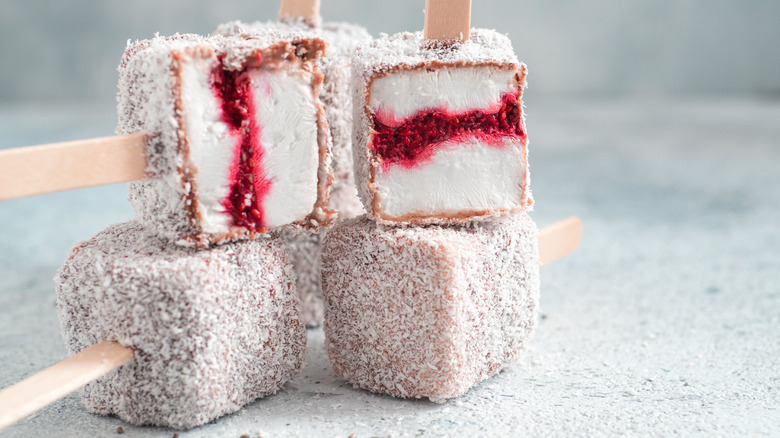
439 131
238 142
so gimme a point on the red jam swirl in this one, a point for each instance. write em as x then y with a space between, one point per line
249 185
416 140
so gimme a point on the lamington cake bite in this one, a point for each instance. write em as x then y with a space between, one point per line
428 311
341 39
211 330
439 134
238 141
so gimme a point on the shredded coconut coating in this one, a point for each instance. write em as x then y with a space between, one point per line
336 95
212 330
428 311
409 51
149 102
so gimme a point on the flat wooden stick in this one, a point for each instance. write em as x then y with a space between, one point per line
55 382
35 170
308 10
559 239
447 20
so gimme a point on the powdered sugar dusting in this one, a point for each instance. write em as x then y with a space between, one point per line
212 330
428 311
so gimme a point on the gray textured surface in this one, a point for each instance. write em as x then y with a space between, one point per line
69 50
665 322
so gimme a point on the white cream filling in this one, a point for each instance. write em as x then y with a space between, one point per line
211 144
465 175
287 116
399 96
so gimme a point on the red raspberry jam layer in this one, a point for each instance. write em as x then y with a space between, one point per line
416 140
249 185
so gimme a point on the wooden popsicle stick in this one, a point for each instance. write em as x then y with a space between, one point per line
308 10
559 239
35 170
57 381
447 20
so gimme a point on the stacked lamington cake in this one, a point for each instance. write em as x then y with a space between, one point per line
432 290
436 288
202 284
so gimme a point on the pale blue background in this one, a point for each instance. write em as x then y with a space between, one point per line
68 50
654 121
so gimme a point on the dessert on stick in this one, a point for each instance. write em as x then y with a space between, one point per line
228 138
302 17
431 311
437 288
43 388
211 330
237 137
439 133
